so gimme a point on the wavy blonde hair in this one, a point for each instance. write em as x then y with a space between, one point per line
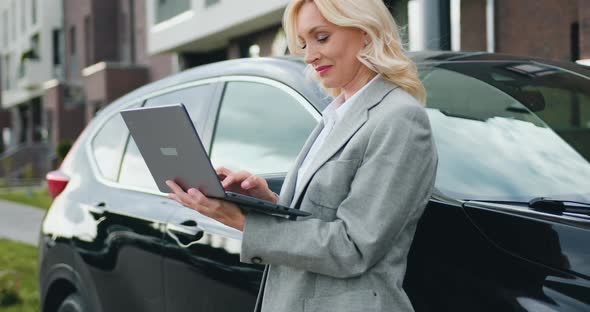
384 52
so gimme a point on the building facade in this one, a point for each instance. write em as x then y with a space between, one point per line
549 29
60 67
57 69
203 31
104 58
30 54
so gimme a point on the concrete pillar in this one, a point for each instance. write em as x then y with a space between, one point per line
424 19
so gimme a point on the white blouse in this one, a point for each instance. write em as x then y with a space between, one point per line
330 115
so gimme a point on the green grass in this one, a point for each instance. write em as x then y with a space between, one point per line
32 197
19 263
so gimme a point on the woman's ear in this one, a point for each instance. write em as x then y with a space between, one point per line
366 38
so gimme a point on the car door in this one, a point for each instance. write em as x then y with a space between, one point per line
553 240
134 221
479 246
121 255
259 125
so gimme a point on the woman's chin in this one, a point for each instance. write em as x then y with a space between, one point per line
328 83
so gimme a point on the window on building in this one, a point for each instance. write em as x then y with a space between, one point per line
166 9
34 12
131 31
73 59
209 3
8 70
88 46
575 41
5 28
23 20
2 72
57 53
72 40
124 38
13 10
56 46
262 124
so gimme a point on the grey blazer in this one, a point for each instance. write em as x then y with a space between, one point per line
366 188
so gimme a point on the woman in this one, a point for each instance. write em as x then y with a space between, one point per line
366 172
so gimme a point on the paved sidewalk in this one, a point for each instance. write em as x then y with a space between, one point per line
19 222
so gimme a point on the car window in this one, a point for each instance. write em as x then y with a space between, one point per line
260 128
492 146
108 144
197 100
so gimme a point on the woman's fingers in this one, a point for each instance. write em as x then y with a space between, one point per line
235 178
222 172
191 198
178 192
226 213
253 181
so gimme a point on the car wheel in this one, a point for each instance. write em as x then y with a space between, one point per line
72 303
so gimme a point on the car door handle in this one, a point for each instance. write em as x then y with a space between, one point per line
187 229
97 210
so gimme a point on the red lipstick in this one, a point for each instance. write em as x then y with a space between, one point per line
323 70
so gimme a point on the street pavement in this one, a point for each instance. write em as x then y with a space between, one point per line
19 222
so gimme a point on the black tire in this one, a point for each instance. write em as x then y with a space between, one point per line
72 303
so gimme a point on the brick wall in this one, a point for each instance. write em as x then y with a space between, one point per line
473 25
540 28
66 122
584 18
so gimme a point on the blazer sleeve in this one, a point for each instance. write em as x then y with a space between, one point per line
390 189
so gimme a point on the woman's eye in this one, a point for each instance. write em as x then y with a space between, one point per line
323 38
302 46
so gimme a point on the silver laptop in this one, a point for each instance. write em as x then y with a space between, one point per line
172 150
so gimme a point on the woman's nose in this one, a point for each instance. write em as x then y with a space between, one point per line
311 55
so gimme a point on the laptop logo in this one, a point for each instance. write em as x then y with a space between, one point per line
168 151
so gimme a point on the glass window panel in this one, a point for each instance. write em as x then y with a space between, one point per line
197 100
108 145
134 171
166 9
493 147
260 129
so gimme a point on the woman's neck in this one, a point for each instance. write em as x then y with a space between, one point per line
358 84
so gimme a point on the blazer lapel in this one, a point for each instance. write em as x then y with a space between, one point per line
354 118
288 187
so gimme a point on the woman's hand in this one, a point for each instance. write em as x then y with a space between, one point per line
245 183
222 211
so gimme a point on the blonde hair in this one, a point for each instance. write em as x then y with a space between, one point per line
384 52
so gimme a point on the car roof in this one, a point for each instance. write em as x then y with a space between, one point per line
287 70
290 71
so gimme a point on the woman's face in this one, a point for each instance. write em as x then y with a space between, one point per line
332 50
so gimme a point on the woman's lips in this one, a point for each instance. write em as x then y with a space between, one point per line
323 70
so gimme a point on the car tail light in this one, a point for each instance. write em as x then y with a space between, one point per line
56 182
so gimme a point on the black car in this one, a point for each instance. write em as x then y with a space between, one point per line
508 228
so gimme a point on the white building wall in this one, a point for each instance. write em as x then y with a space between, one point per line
49 16
206 28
